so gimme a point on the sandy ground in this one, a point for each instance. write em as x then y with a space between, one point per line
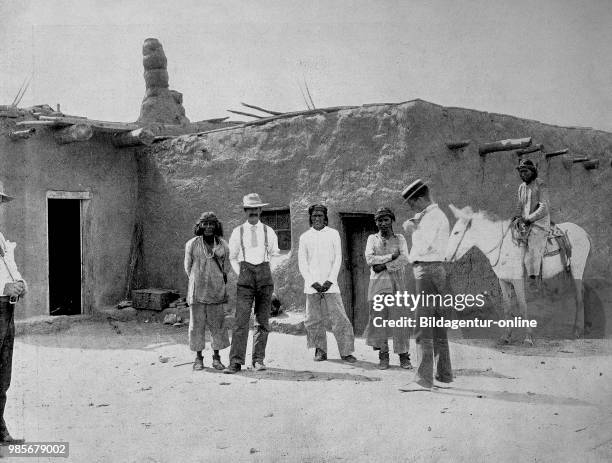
117 392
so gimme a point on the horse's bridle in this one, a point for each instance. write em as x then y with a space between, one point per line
469 224
498 245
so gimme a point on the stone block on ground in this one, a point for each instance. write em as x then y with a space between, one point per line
153 298
124 304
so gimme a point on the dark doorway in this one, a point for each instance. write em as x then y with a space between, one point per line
64 256
357 228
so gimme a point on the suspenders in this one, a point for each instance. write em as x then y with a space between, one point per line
266 254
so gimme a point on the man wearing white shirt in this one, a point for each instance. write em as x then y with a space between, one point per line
319 260
12 287
430 231
250 248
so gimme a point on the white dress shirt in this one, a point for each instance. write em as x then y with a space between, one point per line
252 255
8 267
319 258
430 235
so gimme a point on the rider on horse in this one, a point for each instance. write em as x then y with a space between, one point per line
533 216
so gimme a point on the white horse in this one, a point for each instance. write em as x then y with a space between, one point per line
494 239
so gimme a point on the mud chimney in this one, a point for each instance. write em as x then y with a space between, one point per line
160 104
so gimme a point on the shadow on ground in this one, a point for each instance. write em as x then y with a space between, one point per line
281 374
505 396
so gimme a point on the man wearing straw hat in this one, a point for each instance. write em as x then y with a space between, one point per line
12 287
430 232
251 246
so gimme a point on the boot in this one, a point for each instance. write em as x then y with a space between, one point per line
405 361
217 365
198 364
383 360
320 355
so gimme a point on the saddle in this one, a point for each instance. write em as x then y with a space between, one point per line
558 243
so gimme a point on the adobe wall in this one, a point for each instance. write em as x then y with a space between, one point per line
29 168
357 160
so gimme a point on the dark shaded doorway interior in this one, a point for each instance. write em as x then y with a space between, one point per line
64 231
356 228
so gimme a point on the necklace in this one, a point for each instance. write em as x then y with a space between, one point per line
206 249
385 239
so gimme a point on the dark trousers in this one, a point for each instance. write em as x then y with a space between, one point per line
7 338
432 342
254 284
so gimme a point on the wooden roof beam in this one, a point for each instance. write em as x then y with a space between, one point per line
74 133
504 145
142 136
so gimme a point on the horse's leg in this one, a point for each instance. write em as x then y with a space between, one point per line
506 289
519 289
579 318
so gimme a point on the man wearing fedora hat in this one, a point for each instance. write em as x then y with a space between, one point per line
533 212
12 287
251 246
430 231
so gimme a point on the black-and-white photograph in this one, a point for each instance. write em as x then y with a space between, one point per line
324 231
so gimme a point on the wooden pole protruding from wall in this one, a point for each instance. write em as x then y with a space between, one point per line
142 136
244 114
73 133
455 145
552 154
504 145
531 149
274 113
21 134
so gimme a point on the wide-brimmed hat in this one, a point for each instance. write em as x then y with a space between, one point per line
413 189
253 200
4 198
527 164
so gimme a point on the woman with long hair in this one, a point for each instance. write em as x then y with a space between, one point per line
207 265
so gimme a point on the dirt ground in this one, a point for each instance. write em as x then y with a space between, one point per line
126 392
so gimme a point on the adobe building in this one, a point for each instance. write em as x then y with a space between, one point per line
72 216
75 183
355 160
139 195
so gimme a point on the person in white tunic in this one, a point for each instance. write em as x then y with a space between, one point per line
319 260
